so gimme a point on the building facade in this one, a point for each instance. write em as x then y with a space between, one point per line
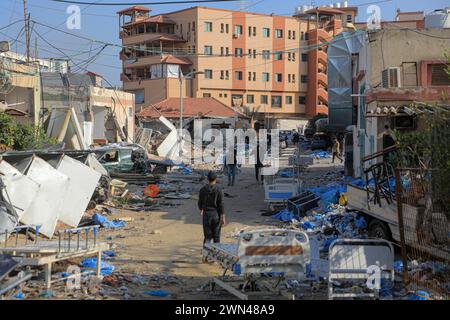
392 72
273 64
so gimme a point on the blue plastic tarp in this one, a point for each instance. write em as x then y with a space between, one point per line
91 263
105 223
284 215
158 293
286 173
321 154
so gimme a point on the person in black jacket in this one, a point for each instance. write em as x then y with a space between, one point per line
210 204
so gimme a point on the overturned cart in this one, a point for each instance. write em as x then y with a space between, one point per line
270 252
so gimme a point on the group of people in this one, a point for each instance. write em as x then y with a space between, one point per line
295 138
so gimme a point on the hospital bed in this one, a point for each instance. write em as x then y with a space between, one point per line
260 261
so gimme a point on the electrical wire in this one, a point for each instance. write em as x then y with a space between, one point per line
159 52
141 3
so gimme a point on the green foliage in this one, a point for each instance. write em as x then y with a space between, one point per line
18 136
427 148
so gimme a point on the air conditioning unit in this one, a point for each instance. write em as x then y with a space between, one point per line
390 78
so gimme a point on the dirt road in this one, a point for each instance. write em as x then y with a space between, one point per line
165 246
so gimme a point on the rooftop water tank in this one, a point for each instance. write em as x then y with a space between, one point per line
438 19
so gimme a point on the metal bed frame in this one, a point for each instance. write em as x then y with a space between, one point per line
45 253
276 252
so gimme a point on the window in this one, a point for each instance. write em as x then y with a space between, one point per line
254 54
304 57
208 27
279 55
264 99
438 75
293 35
250 98
293 78
289 56
289 34
278 33
276 101
254 76
266 54
278 77
302 100
208 74
409 74
238 75
249 31
249 53
266 77
193 26
293 56
139 96
208 50
220 95
289 78
222 28
302 36
227 75
227 51
288 99
249 76
266 32
227 30
207 95
238 52
349 18
254 31
304 78
237 29
225 95
222 51
222 74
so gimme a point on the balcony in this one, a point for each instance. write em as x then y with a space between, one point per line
322 57
322 78
322 95
318 35
152 37
142 61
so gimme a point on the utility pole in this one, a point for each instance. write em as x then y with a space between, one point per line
27 29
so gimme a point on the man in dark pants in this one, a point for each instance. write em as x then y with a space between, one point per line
210 204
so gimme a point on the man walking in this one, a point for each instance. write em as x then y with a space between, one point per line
336 149
231 165
210 204
296 138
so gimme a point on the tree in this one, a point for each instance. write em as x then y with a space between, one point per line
17 136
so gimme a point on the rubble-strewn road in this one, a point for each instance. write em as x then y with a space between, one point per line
164 247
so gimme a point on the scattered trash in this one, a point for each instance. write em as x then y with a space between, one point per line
152 191
91 263
321 154
284 215
105 223
158 293
19 295
420 295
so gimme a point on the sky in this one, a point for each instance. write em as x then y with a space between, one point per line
102 23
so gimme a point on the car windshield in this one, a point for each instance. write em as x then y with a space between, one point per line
110 156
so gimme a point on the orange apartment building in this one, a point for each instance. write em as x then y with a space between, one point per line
274 64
